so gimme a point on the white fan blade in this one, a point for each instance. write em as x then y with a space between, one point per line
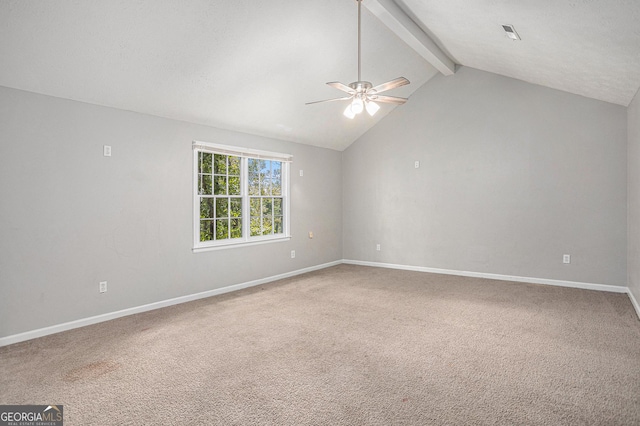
340 86
400 81
388 99
330 100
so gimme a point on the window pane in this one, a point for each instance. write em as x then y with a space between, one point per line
254 184
267 226
277 206
276 178
222 207
267 206
255 226
206 230
265 187
260 165
255 206
234 166
276 169
220 185
234 185
276 187
253 165
206 208
236 228
265 177
204 184
204 162
236 207
220 164
278 228
265 168
222 229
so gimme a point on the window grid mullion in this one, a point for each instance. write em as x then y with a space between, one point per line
244 192
228 217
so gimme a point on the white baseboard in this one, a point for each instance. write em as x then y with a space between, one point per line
560 283
635 303
21 337
545 281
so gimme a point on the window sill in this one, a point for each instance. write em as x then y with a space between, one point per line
240 244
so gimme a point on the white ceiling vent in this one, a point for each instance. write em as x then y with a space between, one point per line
511 32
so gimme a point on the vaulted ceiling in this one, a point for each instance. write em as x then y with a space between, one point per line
251 66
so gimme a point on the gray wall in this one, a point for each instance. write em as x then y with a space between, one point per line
71 217
512 176
633 259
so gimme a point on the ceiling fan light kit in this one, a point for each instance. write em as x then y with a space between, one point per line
362 94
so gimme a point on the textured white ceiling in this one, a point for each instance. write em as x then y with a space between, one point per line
242 65
250 65
587 47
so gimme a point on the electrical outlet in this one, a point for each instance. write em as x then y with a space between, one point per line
416 164
566 258
293 254
106 150
301 172
378 247
103 286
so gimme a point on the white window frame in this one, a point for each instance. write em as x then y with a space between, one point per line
244 154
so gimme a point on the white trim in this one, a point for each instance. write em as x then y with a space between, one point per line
634 302
241 243
246 240
241 152
28 335
559 283
195 217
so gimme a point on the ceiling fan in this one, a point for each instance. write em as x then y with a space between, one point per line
363 94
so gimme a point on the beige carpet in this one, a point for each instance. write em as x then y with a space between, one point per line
347 345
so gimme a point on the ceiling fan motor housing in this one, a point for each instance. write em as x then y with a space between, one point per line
360 86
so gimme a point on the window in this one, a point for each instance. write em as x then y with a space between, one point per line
241 196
